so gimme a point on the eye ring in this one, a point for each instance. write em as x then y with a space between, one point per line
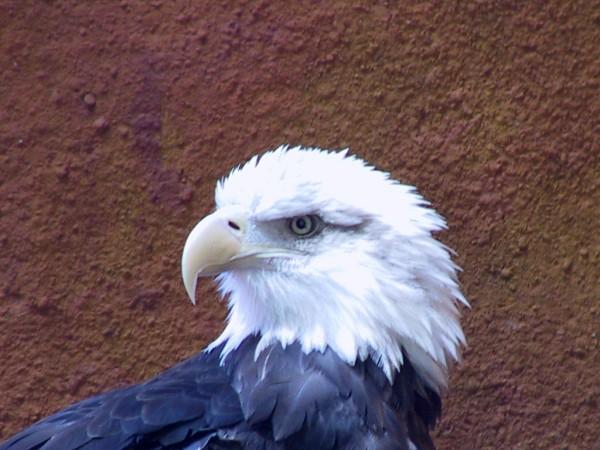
303 226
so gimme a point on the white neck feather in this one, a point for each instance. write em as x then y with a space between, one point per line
358 313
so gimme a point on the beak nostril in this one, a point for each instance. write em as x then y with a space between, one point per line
233 225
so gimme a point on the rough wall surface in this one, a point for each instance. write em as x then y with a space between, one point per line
116 118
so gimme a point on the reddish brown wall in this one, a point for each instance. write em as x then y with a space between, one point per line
116 118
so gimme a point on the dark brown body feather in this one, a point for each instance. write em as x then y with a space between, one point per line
285 400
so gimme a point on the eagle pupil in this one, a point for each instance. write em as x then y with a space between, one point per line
301 223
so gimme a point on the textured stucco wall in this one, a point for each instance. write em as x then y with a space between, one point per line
116 118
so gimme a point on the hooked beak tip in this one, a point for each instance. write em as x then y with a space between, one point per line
190 288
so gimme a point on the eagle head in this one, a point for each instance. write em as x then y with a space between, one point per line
320 248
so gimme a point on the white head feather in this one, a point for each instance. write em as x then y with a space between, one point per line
373 282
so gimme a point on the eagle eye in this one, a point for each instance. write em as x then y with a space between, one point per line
303 226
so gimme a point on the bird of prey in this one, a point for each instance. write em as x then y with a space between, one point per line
343 322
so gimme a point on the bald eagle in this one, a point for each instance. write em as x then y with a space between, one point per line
343 322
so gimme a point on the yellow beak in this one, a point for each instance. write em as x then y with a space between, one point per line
212 246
